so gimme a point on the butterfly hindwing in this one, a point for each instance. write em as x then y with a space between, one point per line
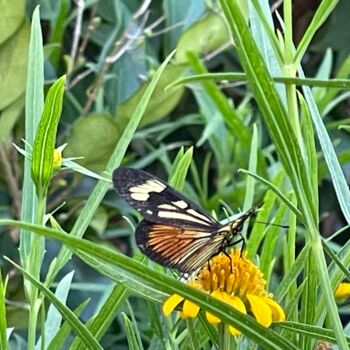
181 248
158 202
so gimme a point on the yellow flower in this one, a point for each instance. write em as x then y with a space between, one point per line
343 290
57 159
235 281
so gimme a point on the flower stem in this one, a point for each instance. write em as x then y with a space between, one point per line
34 266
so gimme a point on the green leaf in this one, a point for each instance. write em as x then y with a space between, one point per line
293 273
64 331
339 182
230 115
144 275
97 147
310 331
101 321
9 117
250 186
268 252
45 138
204 36
323 11
3 323
335 84
13 66
178 177
130 333
161 103
54 318
12 16
89 340
179 15
34 105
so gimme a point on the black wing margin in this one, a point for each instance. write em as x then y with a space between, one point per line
158 202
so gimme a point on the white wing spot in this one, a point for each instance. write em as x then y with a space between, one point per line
166 206
150 212
148 186
199 215
141 197
180 216
181 204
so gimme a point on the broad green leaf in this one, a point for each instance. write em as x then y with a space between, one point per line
95 147
146 276
45 138
89 340
179 15
12 16
204 36
161 103
9 117
13 66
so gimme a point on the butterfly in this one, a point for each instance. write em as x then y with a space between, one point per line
175 232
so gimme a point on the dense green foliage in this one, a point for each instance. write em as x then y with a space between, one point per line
210 96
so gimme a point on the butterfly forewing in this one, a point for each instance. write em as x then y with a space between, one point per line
158 202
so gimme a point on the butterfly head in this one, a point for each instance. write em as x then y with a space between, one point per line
237 224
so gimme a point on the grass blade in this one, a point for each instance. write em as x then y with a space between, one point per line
89 340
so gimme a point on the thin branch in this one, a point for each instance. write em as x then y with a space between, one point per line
78 78
122 45
91 27
213 54
77 29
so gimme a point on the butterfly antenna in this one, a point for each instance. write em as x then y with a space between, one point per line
272 224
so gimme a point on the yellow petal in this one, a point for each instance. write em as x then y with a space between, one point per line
233 330
212 319
190 309
343 290
277 312
238 304
171 303
260 309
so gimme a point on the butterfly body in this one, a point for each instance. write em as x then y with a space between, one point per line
175 232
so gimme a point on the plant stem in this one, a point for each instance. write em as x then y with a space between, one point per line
34 266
